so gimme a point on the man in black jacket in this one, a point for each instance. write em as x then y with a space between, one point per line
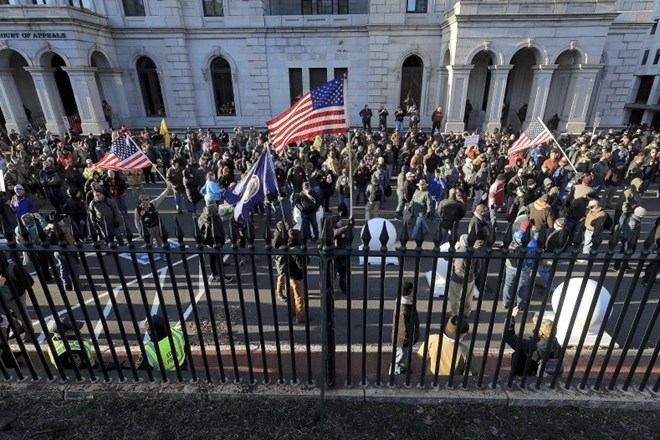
450 211
297 268
543 346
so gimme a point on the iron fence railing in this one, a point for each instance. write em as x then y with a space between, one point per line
236 330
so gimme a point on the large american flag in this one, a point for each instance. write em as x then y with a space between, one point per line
124 154
536 134
318 112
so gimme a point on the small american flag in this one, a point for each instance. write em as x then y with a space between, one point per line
536 134
318 112
124 154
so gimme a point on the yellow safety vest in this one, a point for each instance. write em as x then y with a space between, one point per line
166 353
74 345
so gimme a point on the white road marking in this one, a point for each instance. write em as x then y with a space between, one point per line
47 318
200 291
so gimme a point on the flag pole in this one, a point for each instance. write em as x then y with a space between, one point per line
277 184
557 144
348 142
593 131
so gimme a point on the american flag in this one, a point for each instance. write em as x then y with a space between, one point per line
124 154
318 112
536 134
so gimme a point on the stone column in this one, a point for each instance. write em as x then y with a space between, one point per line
456 96
584 79
443 76
654 98
88 98
114 92
10 101
49 97
538 95
499 74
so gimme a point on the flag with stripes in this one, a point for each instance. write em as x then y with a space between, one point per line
318 112
124 154
536 134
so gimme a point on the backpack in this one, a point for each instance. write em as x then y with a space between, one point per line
20 277
307 204
376 194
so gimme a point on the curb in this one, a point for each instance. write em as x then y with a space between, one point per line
514 397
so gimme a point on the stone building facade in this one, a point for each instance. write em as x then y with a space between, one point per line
221 63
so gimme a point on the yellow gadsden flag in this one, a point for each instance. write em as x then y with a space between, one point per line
165 133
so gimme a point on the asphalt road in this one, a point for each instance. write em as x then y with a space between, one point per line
366 314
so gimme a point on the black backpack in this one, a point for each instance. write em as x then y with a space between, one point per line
376 193
20 278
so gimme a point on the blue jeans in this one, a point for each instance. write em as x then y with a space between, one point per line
345 200
544 277
307 221
420 222
67 262
588 241
400 203
179 200
399 126
444 235
191 207
434 203
121 204
400 360
523 285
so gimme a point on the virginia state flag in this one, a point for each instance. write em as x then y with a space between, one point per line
259 182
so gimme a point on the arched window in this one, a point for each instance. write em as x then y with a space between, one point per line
150 87
411 81
223 88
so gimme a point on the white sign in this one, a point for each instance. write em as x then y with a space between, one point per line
471 140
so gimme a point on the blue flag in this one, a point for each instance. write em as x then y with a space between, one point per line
259 182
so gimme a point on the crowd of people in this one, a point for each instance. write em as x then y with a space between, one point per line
432 177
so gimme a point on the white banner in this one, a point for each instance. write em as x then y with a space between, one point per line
471 140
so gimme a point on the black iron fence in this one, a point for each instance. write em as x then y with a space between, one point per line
236 329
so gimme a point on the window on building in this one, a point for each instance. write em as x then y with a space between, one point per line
212 8
645 57
317 76
324 6
4 2
657 56
76 3
295 84
134 8
411 81
654 27
340 71
644 90
39 2
223 87
150 87
416 5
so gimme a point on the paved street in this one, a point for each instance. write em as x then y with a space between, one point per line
360 314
